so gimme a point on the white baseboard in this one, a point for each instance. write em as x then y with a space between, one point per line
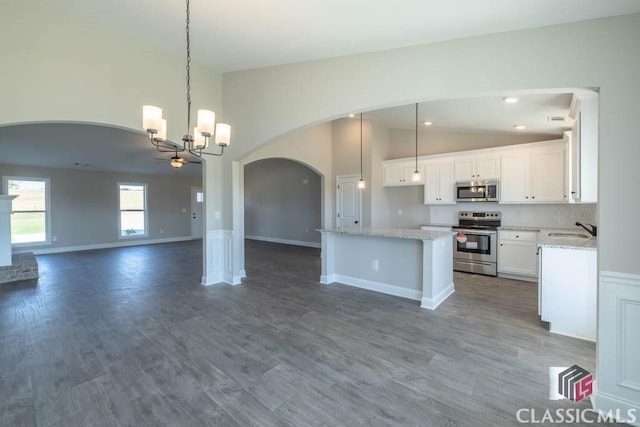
284 241
518 277
433 303
121 244
604 403
374 286
328 279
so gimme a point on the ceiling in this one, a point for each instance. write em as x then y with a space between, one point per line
488 114
256 33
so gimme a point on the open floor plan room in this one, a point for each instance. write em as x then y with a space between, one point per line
128 337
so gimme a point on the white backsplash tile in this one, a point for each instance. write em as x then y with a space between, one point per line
547 216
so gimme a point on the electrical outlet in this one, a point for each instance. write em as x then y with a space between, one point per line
217 214
306 230
162 231
399 211
375 265
54 238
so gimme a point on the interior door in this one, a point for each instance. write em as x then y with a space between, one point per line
197 203
349 201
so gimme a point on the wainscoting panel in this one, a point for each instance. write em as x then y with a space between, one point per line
219 265
618 376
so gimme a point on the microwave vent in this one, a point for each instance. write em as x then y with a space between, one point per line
556 119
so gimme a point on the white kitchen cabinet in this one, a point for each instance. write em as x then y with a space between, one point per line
568 291
517 253
534 174
400 172
439 182
471 168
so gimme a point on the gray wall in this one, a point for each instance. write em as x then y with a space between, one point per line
84 205
282 200
402 141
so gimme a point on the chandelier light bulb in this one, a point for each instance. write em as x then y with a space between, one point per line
151 118
361 184
417 176
199 141
223 134
161 136
176 162
206 122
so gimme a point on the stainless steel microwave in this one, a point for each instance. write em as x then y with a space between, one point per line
477 191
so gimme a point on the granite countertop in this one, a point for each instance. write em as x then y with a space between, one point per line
518 228
546 241
438 225
397 233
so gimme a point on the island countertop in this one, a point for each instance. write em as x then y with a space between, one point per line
397 233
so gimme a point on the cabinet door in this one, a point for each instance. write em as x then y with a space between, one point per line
407 174
431 184
514 177
547 177
446 182
392 175
488 167
517 257
464 169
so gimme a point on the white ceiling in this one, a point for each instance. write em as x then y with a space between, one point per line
489 114
234 35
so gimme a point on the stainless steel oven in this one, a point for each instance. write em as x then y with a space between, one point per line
475 243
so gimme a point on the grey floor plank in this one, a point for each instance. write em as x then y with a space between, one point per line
128 337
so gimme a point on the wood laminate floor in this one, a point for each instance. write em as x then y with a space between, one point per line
128 337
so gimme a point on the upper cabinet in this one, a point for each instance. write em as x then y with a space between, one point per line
480 167
438 188
534 174
400 172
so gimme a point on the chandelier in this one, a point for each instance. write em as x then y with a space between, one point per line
206 127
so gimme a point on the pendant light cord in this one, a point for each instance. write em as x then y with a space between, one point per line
188 68
360 145
416 136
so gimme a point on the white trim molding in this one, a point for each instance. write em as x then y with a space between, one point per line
384 288
284 241
120 244
619 345
218 259
433 303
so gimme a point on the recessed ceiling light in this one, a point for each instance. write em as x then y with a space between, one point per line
520 127
510 99
427 123
352 115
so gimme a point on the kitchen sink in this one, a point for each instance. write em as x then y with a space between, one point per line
569 235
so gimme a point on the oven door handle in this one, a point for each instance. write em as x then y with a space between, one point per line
471 232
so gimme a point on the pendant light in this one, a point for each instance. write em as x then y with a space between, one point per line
417 176
206 126
361 183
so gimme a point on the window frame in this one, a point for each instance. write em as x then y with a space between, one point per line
47 204
145 210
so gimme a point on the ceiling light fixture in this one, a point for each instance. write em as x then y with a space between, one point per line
352 115
520 127
417 176
361 184
428 123
206 127
510 99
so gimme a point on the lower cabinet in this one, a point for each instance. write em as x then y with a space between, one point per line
517 254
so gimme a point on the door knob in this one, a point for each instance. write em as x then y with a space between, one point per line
355 222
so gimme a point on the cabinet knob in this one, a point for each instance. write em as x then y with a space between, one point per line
526 197
533 197
500 244
517 236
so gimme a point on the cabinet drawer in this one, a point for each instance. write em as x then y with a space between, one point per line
526 236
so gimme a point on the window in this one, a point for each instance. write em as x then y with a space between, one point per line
133 210
30 210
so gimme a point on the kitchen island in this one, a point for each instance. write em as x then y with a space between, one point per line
412 264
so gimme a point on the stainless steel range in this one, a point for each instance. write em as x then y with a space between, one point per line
475 244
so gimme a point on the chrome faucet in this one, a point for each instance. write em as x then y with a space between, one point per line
593 231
